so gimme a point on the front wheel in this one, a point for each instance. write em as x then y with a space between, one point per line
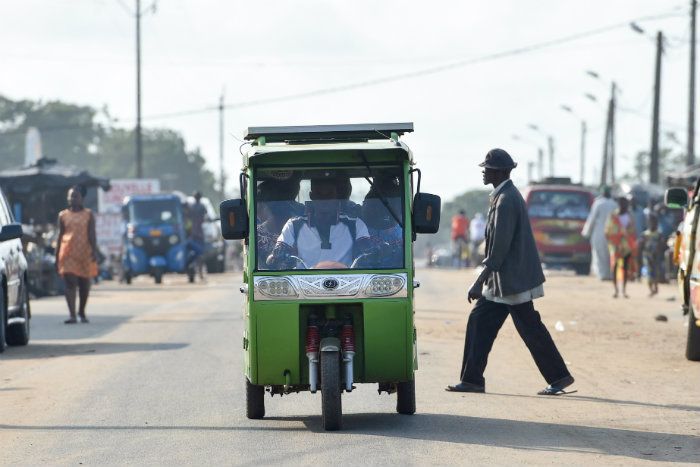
406 397
158 276
692 348
254 400
18 333
331 406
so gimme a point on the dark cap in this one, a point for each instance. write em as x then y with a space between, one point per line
498 159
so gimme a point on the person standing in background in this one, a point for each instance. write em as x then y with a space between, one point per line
76 252
651 248
594 230
622 242
477 231
460 229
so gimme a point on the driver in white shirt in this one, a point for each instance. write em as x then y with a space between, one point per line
325 237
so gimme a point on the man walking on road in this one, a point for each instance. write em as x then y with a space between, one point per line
510 280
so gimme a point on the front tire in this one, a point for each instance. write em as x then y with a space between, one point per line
158 276
331 404
3 320
692 348
18 334
406 397
255 400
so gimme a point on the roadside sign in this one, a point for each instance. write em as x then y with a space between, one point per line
111 201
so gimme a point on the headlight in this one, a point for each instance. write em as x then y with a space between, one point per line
173 239
382 286
138 241
275 287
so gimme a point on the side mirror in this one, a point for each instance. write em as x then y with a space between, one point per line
10 232
676 198
426 213
234 219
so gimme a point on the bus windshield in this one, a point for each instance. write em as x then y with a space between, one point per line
550 204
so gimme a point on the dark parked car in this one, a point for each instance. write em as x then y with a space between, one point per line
14 294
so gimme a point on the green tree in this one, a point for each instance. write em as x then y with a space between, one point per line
71 135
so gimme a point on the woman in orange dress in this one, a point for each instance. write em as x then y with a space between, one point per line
76 251
622 243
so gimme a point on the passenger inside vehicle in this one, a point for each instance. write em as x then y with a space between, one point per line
381 211
325 237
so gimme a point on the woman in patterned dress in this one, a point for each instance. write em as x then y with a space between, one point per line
622 242
76 251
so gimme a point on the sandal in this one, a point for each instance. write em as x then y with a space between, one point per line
557 387
70 321
83 319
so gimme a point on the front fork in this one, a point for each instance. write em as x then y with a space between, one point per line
330 327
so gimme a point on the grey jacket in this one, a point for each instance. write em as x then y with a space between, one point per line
511 253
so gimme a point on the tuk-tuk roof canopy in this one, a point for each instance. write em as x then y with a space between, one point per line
327 133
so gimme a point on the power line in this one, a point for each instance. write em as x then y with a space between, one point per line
422 72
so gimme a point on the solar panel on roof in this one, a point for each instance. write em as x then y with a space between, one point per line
324 133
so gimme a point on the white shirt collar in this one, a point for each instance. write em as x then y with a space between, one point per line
499 188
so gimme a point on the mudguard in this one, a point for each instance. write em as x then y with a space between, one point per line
330 344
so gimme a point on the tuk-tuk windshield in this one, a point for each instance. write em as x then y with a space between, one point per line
329 219
156 211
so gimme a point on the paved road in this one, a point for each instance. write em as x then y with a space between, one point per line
156 378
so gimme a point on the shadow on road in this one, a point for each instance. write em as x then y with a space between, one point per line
42 350
51 327
525 435
688 408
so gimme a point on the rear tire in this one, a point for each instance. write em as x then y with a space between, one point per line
331 404
127 278
190 275
692 348
406 397
18 334
254 400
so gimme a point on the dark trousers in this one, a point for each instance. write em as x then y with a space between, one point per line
486 319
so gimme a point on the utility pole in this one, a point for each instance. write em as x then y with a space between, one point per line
654 162
530 171
690 156
540 164
222 180
608 162
139 148
550 145
611 150
583 152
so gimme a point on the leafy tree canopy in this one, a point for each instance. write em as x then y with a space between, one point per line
73 135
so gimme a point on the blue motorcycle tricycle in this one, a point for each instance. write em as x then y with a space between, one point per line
154 240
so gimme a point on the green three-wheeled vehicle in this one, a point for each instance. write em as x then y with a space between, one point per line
328 215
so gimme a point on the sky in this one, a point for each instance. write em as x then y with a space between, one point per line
83 51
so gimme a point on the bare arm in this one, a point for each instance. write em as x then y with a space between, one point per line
92 236
60 238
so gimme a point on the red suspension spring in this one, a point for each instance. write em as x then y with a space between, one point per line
347 338
313 339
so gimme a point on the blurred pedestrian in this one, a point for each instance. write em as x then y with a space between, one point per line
622 243
594 229
477 231
459 236
511 279
196 214
76 252
652 247
637 212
